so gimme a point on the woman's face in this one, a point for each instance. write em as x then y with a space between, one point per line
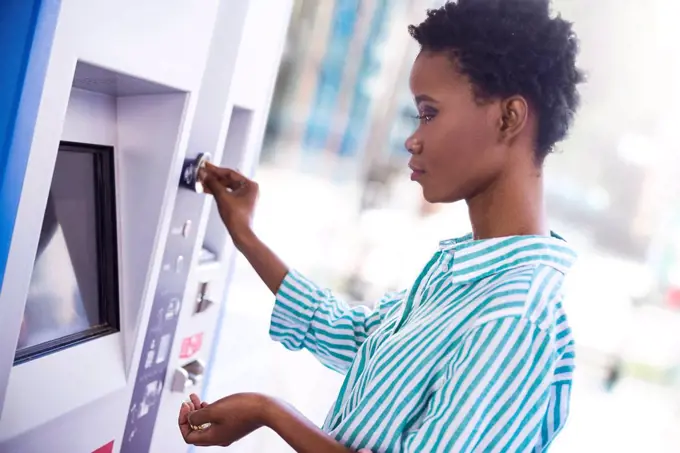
457 150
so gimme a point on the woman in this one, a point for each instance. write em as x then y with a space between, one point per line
477 356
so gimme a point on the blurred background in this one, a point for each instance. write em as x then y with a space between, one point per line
337 204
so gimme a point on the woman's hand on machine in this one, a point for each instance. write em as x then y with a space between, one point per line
235 196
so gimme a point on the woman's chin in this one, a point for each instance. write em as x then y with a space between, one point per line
432 196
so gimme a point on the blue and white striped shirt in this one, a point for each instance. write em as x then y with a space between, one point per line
476 357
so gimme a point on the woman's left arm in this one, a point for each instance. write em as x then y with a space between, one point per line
493 398
495 393
298 432
234 417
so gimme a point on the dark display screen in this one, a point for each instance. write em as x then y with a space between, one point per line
73 294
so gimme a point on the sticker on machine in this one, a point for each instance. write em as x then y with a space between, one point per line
163 348
191 345
108 448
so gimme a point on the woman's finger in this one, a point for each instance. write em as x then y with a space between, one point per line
214 187
231 178
195 400
183 413
201 438
183 420
224 171
202 416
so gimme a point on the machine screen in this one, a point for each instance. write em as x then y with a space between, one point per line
73 294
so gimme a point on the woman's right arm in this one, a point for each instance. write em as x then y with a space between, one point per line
306 316
271 269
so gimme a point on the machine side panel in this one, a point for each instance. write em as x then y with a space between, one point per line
26 32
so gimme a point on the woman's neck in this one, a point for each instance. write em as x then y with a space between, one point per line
512 205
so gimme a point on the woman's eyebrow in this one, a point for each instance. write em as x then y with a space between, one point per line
424 98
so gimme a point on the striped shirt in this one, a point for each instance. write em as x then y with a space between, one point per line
476 357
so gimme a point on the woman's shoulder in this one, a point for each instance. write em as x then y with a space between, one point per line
532 292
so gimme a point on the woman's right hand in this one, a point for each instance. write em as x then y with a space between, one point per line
235 196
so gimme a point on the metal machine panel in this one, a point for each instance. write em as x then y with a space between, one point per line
154 94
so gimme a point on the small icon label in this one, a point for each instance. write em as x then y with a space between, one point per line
191 345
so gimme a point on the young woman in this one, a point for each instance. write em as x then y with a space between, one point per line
477 355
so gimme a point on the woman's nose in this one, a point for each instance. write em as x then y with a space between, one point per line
413 145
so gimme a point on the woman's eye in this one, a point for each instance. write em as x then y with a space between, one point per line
424 117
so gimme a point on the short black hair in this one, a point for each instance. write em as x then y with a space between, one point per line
511 47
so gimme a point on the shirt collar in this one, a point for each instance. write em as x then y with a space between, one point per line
477 259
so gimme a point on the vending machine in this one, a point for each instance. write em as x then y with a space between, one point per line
113 264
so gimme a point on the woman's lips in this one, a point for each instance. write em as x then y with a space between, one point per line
417 172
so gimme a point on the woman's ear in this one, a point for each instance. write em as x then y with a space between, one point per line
514 114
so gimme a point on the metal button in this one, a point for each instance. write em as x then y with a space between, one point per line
186 228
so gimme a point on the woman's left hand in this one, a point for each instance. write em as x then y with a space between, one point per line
223 422
230 419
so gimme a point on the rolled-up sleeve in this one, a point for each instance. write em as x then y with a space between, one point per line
306 316
494 394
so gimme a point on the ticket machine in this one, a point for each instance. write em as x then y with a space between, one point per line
113 265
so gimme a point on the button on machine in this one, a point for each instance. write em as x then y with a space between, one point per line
186 228
202 301
188 376
179 264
